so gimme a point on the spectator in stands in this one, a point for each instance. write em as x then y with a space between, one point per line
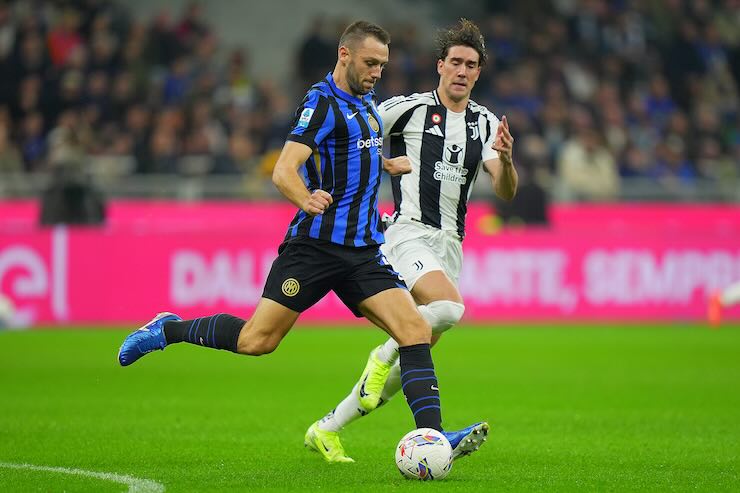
657 79
71 199
10 157
530 204
137 126
164 148
586 167
316 54
192 26
33 142
64 37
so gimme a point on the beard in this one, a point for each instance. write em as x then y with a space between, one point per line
353 80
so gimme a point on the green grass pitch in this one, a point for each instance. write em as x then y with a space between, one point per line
582 408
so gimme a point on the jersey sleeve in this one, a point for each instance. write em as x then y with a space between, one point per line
390 111
313 120
491 126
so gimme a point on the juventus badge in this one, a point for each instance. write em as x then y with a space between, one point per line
474 130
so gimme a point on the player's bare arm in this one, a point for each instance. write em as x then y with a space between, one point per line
397 166
287 180
503 173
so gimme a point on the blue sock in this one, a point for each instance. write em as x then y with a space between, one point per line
419 384
218 331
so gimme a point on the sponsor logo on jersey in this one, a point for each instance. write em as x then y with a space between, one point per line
371 142
450 173
452 154
435 130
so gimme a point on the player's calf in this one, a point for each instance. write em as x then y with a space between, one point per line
419 385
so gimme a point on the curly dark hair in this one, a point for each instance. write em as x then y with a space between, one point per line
465 33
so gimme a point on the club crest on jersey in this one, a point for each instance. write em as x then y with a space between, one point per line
290 287
474 130
373 123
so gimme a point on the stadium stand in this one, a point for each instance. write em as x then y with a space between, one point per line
608 100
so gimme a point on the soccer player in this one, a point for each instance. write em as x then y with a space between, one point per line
720 300
447 138
333 243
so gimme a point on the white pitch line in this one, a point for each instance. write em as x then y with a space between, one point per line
135 485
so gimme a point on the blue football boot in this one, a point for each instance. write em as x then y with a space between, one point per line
467 440
146 339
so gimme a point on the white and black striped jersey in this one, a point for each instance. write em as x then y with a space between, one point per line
446 150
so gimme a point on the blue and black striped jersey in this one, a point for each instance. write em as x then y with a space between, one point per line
346 135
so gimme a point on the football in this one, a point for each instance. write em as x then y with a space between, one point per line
424 454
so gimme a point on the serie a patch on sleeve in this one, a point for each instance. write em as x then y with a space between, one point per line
305 117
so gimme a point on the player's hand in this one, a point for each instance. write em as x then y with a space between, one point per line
317 203
397 166
504 142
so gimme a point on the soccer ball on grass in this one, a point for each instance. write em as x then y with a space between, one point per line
424 454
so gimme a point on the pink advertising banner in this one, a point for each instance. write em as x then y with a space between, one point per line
626 263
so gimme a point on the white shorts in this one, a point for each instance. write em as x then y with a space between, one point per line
414 249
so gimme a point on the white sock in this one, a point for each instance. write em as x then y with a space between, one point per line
393 384
349 409
731 295
388 352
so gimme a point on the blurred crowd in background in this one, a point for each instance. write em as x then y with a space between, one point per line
595 91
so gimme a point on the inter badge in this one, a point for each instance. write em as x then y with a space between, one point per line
373 123
291 287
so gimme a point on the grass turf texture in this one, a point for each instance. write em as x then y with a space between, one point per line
572 409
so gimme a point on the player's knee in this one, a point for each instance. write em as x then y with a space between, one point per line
255 344
414 330
256 348
442 314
